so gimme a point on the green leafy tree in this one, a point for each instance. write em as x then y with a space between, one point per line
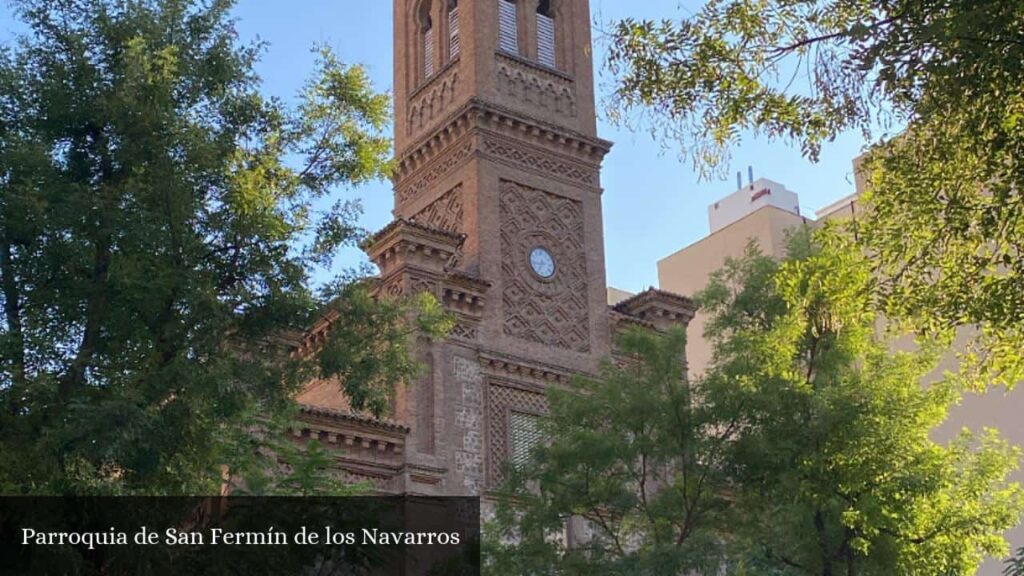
834 469
946 212
805 449
159 223
634 461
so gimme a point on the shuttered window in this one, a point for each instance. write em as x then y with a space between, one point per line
453 32
546 40
524 435
508 27
428 53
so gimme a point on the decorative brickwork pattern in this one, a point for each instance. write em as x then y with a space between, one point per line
469 457
433 99
394 288
522 157
464 331
543 89
445 213
417 285
450 160
553 311
502 401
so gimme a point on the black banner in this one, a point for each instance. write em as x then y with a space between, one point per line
240 535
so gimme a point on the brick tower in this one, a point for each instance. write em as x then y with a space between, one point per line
498 214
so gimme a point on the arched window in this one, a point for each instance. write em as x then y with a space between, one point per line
453 29
508 26
546 34
426 24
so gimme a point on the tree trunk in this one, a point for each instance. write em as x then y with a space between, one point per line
96 309
826 556
12 313
98 295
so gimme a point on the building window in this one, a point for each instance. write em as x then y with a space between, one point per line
508 26
546 34
426 23
453 29
524 436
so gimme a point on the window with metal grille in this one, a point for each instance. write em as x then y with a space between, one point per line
524 435
453 29
508 26
546 34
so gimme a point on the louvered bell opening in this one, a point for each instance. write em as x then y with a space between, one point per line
546 40
428 54
524 435
453 33
508 30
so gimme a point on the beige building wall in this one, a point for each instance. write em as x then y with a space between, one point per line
616 296
688 270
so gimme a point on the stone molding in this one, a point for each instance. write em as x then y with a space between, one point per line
477 114
659 308
353 431
406 244
532 374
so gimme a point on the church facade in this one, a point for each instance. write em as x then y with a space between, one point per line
498 215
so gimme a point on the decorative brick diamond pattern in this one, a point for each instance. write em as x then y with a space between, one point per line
505 402
554 311
445 213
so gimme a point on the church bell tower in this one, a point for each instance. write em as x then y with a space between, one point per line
498 215
495 135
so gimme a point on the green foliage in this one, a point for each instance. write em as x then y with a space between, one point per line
634 458
805 449
835 470
368 348
156 246
945 216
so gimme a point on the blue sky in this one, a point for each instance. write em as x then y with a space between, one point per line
654 204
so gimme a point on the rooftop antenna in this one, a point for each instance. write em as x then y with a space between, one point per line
739 179
750 176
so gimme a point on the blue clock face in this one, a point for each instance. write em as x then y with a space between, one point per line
542 263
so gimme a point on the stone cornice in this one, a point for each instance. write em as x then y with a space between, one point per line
348 429
520 370
658 307
477 113
382 425
464 294
407 242
621 320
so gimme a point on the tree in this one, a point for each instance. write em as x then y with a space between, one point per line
834 469
633 461
156 244
945 215
804 450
